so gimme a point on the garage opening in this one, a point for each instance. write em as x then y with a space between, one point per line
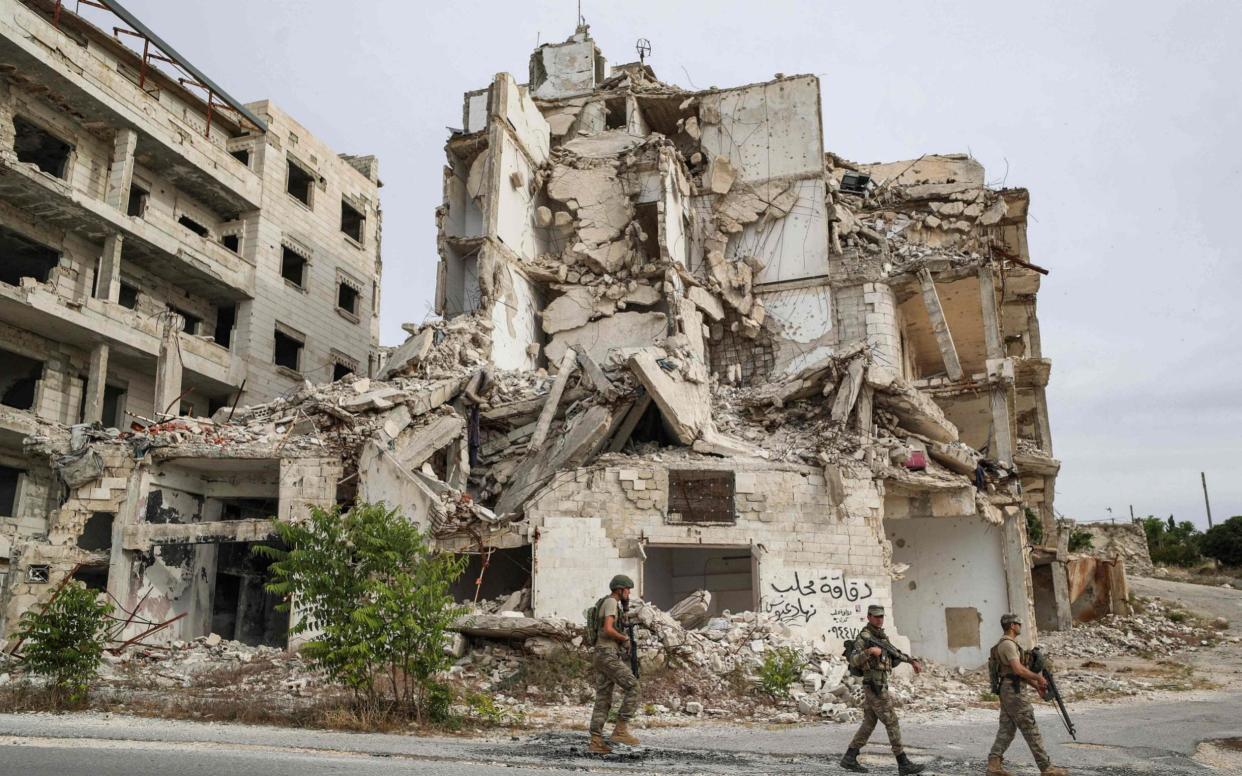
242 609
728 573
35 145
19 378
23 258
507 572
949 602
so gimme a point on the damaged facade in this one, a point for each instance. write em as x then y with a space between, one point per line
680 342
164 250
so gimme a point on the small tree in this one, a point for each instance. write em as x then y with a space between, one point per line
1170 542
1224 542
374 598
65 640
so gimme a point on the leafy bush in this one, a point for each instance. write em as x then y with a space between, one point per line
1171 543
1034 528
1224 542
374 599
1080 540
65 640
781 668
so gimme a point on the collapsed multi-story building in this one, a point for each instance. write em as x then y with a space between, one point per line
680 342
164 250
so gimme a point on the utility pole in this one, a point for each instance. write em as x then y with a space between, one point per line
1131 513
1206 502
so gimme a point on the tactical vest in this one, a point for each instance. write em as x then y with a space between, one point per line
998 672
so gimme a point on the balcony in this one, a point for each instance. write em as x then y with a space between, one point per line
82 66
134 338
156 242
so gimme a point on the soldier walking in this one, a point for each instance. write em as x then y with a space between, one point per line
612 668
876 664
1015 710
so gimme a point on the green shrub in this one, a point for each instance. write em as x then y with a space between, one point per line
374 599
65 640
1170 543
781 668
1080 540
1224 542
1034 528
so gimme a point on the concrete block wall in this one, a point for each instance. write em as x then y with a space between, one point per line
314 232
819 563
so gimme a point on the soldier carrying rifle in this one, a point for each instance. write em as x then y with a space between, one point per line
1008 664
872 657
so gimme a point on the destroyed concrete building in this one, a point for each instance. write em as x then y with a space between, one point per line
679 341
164 249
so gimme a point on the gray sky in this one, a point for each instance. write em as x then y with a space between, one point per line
1124 119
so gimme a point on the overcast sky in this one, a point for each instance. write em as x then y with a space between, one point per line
1124 119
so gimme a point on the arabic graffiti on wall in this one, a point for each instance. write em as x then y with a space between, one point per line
831 599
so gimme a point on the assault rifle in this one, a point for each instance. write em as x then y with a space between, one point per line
629 631
895 655
1039 665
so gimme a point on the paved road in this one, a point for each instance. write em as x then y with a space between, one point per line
1152 738
1212 601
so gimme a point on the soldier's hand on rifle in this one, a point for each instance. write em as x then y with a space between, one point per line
917 665
875 651
1041 684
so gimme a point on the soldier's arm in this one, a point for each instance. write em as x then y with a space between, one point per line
610 630
1027 675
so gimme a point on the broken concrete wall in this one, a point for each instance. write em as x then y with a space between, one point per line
1127 541
819 557
768 130
515 321
950 599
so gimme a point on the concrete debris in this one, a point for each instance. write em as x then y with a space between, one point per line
675 340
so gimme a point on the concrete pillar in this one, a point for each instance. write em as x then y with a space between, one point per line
1018 583
121 170
940 326
96 381
168 367
991 319
108 280
1002 436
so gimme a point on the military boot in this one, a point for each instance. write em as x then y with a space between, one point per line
906 766
598 745
1053 770
621 735
996 766
850 761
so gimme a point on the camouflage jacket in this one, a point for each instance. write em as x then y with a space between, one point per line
875 669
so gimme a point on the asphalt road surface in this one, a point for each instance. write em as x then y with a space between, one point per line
1120 740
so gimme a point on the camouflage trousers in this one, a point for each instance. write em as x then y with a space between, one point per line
1016 714
612 669
878 707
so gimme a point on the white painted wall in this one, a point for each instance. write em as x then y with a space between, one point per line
767 130
792 247
954 562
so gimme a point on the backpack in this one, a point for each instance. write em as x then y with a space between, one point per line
848 654
996 671
592 622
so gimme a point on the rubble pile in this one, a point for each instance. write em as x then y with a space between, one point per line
1156 628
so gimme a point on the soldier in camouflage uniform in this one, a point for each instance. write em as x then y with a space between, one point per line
612 669
876 665
1015 710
